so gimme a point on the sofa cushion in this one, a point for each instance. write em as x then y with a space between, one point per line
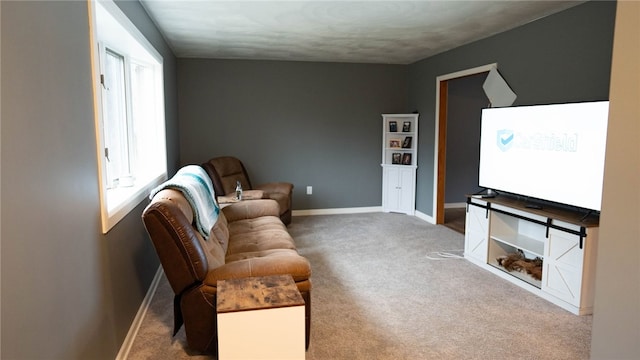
262 263
259 234
263 240
281 199
250 209
256 225
276 187
220 232
215 250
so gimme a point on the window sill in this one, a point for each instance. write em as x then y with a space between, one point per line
121 201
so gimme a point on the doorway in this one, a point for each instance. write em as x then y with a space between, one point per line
440 157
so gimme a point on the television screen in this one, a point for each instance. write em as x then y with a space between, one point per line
550 152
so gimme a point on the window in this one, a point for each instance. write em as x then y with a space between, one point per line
129 97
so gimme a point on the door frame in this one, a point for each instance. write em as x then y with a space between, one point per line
440 142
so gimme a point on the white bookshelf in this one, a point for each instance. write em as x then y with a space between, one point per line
399 162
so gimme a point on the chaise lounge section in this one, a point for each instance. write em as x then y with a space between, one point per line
224 171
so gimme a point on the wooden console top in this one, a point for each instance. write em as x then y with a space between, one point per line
548 210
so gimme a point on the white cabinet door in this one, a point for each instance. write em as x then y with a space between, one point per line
562 267
398 193
406 203
476 233
390 189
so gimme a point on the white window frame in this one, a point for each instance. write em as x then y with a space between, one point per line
110 29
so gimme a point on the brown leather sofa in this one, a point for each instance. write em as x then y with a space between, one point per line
248 239
224 171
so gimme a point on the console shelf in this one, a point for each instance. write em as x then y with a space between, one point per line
522 242
550 252
518 275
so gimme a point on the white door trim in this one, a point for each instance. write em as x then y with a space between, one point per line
439 79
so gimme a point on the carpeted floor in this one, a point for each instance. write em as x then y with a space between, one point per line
382 290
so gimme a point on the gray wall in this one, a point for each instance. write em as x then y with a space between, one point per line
319 123
564 57
68 292
315 124
466 99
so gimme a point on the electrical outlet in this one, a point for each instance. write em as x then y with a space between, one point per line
309 190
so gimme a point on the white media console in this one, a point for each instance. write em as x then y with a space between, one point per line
564 240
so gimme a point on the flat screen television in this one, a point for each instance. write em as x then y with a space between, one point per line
550 152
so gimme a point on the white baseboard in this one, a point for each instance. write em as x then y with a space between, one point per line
137 321
455 205
425 217
336 211
355 210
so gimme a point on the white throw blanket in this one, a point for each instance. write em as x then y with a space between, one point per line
195 185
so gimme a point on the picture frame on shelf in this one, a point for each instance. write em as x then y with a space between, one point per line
394 143
393 126
406 126
406 159
406 144
396 158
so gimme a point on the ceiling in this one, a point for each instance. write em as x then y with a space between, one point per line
391 32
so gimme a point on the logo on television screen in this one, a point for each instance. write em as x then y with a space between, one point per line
505 139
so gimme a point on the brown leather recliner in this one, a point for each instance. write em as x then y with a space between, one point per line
248 239
224 171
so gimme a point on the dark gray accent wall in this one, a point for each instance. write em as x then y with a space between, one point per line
311 124
565 57
68 292
466 99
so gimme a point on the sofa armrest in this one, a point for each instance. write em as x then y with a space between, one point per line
275 187
284 263
251 209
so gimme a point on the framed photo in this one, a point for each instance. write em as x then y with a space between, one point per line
394 143
406 159
396 158
393 126
406 126
406 144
